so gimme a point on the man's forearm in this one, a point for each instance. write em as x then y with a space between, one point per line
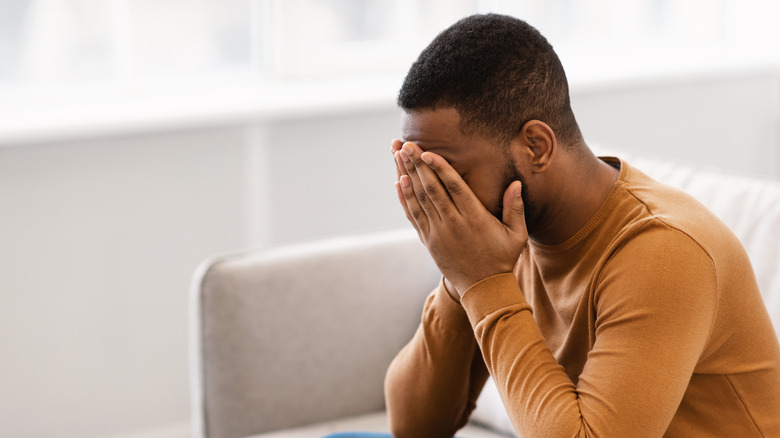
432 384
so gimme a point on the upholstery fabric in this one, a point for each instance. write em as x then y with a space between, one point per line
290 336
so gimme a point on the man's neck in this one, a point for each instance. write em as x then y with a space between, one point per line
586 184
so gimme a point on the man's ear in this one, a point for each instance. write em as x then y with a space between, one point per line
539 144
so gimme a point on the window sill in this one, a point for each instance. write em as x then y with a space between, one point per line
89 112
111 110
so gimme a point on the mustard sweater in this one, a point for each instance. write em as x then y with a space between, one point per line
646 323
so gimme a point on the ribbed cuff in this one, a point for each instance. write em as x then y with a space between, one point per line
490 295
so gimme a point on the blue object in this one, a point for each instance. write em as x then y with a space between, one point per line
358 435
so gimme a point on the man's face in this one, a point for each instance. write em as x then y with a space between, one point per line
486 167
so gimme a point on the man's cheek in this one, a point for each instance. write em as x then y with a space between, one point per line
492 203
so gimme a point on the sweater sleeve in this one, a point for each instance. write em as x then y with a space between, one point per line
432 385
654 303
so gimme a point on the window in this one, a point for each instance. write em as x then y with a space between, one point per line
52 43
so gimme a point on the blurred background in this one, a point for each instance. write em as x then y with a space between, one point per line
138 137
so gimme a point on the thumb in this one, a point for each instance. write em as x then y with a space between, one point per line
514 209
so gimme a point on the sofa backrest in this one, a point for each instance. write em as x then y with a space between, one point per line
302 334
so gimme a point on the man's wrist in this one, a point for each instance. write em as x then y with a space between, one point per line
451 291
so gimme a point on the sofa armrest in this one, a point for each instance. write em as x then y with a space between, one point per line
304 333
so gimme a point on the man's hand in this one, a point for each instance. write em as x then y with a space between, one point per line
467 243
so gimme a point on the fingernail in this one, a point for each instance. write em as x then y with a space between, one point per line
519 191
404 181
404 155
427 158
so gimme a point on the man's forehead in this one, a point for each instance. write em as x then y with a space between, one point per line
438 126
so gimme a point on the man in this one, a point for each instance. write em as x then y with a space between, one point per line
601 302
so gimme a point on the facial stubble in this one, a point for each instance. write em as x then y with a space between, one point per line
511 174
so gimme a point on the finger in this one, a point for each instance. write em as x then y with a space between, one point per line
410 156
395 146
430 183
399 164
462 197
416 214
514 209
399 192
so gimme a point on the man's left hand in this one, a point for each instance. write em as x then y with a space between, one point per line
467 243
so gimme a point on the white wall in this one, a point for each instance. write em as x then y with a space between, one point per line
731 121
99 237
327 175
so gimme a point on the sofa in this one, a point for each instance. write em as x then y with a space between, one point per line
294 341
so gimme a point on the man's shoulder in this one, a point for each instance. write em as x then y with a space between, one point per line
674 214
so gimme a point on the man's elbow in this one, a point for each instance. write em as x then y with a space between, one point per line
409 428
410 417
406 418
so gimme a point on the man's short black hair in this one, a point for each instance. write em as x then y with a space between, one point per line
498 72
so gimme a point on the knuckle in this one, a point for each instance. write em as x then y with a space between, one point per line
454 187
422 197
431 189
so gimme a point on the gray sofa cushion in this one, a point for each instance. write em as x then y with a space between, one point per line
302 334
